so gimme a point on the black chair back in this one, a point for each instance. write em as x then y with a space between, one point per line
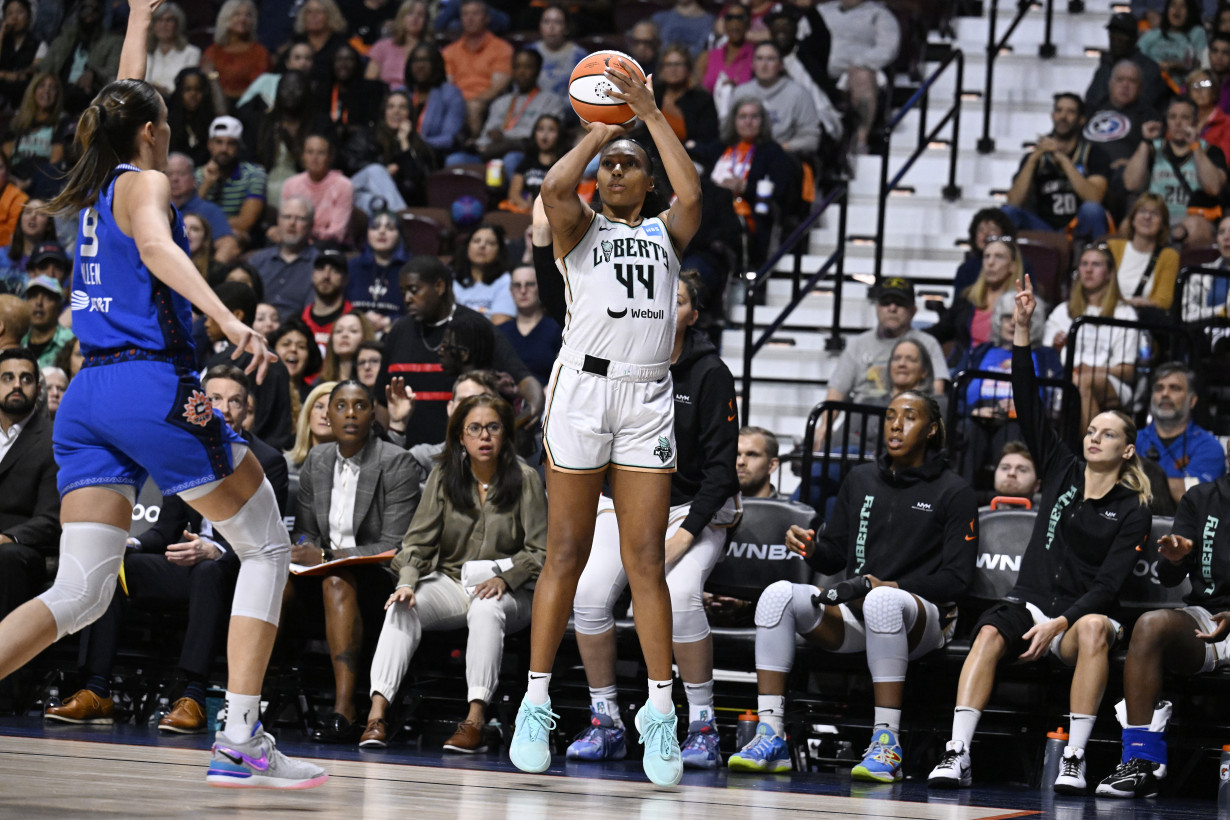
1003 536
756 555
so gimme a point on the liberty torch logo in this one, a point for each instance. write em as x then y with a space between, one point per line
663 451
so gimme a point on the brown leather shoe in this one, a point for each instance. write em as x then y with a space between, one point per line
83 707
376 735
468 739
187 717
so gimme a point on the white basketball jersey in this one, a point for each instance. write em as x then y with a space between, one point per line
621 284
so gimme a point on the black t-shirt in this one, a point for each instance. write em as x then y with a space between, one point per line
366 23
1118 132
533 172
1052 196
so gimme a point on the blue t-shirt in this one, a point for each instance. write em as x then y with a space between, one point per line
219 226
538 349
1195 454
117 303
487 298
999 359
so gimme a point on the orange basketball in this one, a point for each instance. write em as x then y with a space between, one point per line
588 88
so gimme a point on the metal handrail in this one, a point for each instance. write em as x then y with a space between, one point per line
1047 50
918 100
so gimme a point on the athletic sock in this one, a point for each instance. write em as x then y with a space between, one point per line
700 701
242 714
660 692
771 709
889 718
99 685
195 690
1080 727
964 722
606 701
537 691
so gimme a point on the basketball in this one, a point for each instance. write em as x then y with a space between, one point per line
588 88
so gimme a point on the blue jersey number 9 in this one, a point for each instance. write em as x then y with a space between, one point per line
88 244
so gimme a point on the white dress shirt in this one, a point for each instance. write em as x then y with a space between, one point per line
7 437
341 503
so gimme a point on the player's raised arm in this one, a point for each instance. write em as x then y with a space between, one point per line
568 216
136 39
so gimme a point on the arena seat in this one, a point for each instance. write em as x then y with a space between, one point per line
426 233
447 186
1143 591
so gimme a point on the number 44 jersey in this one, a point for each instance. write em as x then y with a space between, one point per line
621 284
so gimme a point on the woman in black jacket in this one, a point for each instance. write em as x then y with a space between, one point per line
1093 516
907 529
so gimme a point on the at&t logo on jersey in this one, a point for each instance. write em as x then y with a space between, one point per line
95 304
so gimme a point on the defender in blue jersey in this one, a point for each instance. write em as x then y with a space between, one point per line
136 409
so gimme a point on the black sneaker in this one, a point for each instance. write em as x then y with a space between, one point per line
1136 778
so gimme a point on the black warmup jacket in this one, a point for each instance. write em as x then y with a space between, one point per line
918 527
1081 550
706 431
1202 510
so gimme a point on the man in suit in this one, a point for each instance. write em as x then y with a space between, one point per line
179 562
29 500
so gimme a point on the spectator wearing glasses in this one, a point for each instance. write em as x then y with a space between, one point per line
1146 265
728 64
644 43
1212 123
1189 454
534 336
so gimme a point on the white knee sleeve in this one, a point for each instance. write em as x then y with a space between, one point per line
90 559
592 620
784 609
689 626
259 538
888 614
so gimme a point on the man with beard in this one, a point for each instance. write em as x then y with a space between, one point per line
330 275
29 501
1122 32
235 186
286 268
181 176
1120 123
1187 453
1064 178
46 338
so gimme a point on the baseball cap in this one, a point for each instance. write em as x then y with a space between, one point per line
1123 21
226 127
895 290
47 283
332 257
47 251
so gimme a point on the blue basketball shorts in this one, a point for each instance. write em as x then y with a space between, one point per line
122 421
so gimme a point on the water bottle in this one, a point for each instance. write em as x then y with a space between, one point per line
1223 787
1052 758
53 698
746 731
164 709
764 193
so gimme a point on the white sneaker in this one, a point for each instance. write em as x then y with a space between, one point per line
954 769
1071 779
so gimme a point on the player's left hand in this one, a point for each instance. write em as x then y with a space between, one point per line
192 551
677 545
1041 636
1222 619
247 340
1174 548
630 89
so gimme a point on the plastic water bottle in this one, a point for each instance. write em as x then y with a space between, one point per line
746 731
164 709
1052 758
53 698
1223 788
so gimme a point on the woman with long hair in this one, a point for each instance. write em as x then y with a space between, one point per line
321 24
236 55
191 108
1092 519
200 244
476 542
284 130
37 131
1179 43
349 331
688 108
613 369
296 347
18 48
311 425
12 203
436 105
34 228
132 258
481 281
545 149
169 49
968 322
389 55
1146 267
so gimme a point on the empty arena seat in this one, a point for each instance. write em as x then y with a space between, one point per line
756 555
1143 591
1003 535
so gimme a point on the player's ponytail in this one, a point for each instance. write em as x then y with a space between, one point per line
106 133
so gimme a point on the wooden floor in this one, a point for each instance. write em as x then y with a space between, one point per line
60 778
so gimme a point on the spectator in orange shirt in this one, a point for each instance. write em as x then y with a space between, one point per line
478 63
236 58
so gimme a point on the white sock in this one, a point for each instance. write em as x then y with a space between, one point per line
890 718
771 709
242 713
700 701
964 722
536 692
605 700
660 692
1080 728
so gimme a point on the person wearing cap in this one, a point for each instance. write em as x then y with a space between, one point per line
330 275
861 374
181 174
331 193
286 268
46 338
49 260
234 185
1122 31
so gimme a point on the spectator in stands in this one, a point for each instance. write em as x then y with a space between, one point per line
414 340
349 331
437 106
753 159
1179 43
18 48
49 260
201 246
286 268
12 203
987 223
55 382
1063 179
1093 517
405 155
311 425
729 64
685 24
84 56
1187 641
368 19
477 541
169 49
805 49
1124 120
1212 124
70 357
373 285
1184 170
234 185
534 336
910 568
1219 66
296 347
757 462
46 337
243 273
644 42
263 92
968 323
36 137
236 56
481 280
546 148
34 228
180 175
180 561
14 321
354 101
389 55
283 131
1015 473
191 109
330 275
793 120
367 361
1122 32
401 402
688 108
356 498
864 44
1205 297
328 189
559 54
29 501
1188 453
987 398
1146 265
478 63
267 319
321 24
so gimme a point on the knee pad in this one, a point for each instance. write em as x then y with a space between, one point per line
90 558
885 610
592 620
259 538
689 626
781 597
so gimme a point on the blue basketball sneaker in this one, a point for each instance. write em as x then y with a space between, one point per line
882 760
662 761
700 747
766 753
530 749
601 740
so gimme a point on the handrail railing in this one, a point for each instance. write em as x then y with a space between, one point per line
919 99
986 144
